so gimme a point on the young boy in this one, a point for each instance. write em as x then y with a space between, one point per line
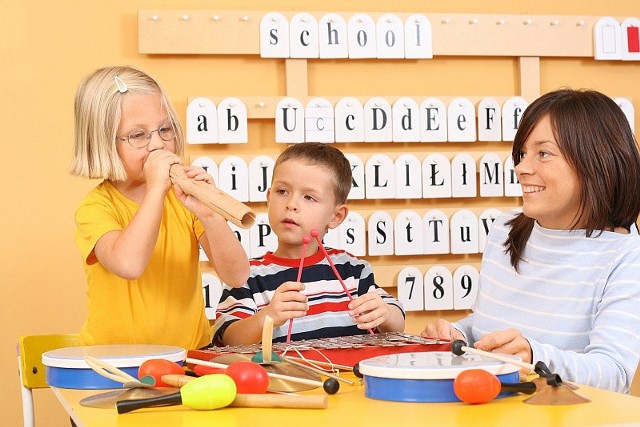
311 182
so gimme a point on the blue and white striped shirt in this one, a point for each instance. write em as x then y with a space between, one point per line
576 300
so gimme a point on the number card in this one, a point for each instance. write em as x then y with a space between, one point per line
465 287
411 289
211 291
438 289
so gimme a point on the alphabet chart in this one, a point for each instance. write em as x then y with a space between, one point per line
431 172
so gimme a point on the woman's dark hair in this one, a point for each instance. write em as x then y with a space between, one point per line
595 138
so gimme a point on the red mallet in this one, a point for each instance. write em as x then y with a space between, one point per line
314 233
305 242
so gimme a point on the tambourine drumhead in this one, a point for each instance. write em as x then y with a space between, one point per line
431 365
66 367
426 376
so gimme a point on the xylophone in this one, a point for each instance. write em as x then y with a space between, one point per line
346 351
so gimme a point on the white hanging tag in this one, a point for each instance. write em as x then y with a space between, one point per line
461 121
332 30
512 111
410 289
489 120
463 176
380 177
261 237
465 287
318 121
209 165
243 235
630 32
485 222
362 36
436 176
380 234
260 175
232 122
433 120
377 120
405 121
491 175
464 232
349 120
289 121
438 289
607 39
202 121
436 232
409 233
629 111
357 177
234 178
512 187
211 292
331 239
303 36
418 38
408 177
390 37
274 36
352 233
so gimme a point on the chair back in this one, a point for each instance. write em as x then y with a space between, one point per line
30 349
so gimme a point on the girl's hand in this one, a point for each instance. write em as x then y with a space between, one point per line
288 302
508 341
194 205
369 310
442 330
156 169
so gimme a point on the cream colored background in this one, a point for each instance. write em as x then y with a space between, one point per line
48 46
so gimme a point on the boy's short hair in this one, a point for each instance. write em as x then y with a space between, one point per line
97 118
316 153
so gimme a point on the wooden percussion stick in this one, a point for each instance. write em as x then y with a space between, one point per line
305 242
458 349
217 200
270 374
263 400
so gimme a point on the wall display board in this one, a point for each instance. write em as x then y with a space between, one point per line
432 171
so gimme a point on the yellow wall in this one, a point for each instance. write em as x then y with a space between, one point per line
48 46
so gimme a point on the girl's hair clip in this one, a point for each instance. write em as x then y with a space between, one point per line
122 88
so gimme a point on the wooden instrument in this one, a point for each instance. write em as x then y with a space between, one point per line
231 209
346 351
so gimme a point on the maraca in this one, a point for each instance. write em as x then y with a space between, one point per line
480 386
209 392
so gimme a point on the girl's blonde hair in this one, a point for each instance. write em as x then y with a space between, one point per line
97 118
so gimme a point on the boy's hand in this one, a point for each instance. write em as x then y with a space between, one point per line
369 310
288 302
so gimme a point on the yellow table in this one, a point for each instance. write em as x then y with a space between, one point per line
351 408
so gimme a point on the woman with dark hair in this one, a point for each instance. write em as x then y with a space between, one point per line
560 278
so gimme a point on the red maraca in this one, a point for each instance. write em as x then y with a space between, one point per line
479 386
152 370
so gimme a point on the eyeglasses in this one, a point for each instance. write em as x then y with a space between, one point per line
140 139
